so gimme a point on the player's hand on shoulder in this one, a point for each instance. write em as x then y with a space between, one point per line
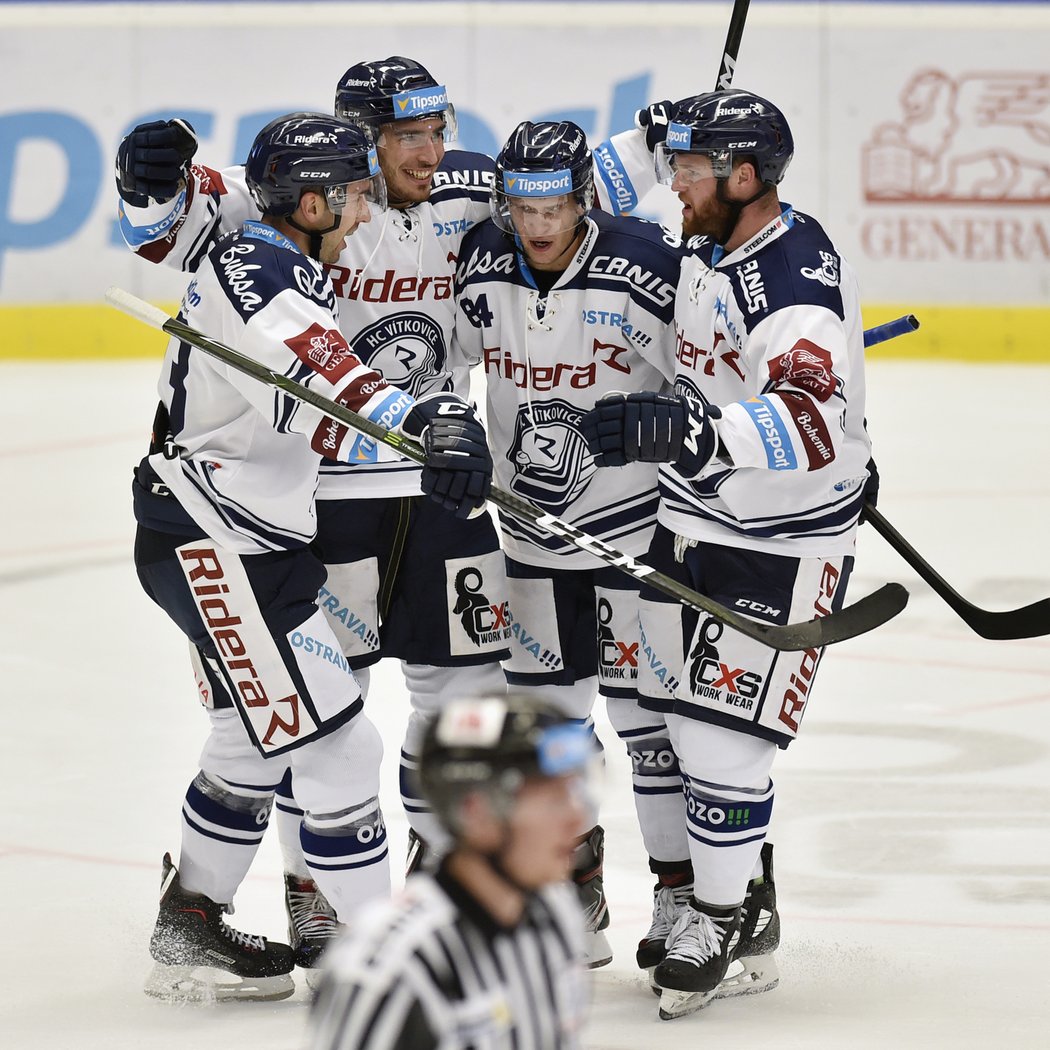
653 121
152 161
458 470
647 427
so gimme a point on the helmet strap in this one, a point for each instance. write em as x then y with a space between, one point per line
735 207
316 236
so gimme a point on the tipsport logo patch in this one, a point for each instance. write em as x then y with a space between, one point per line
679 136
542 184
409 104
780 454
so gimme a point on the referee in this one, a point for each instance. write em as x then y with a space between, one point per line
487 952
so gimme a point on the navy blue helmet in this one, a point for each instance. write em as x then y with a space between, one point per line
310 151
726 125
545 159
392 89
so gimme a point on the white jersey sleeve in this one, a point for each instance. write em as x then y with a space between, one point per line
624 172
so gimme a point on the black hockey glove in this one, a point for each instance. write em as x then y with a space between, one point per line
653 120
458 470
651 428
153 159
871 491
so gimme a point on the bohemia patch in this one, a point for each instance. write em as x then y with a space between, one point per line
806 365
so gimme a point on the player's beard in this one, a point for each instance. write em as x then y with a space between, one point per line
715 219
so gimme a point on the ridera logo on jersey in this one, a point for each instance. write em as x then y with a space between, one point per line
484 621
712 678
407 349
552 466
537 184
227 606
616 659
409 104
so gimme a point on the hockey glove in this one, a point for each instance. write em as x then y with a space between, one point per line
653 120
458 470
152 161
871 491
651 428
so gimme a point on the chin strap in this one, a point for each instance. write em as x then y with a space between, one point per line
316 236
735 207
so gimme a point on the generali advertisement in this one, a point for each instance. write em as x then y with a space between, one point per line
922 131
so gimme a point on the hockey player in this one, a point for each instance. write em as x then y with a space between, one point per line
225 508
417 586
563 305
405 579
485 952
764 448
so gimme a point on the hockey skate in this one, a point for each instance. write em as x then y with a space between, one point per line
753 968
668 903
590 858
699 951
311 923
198 958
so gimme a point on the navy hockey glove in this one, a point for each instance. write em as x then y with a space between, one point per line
458 470
871 490
653 120
651 428
152 161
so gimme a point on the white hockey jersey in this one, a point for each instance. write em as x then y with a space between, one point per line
772 334
606 325
393 283
393 280
243 457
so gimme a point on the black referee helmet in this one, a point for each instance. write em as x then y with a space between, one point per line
492 744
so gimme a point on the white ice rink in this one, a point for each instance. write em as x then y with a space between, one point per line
911 824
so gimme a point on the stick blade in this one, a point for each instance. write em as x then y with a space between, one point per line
1031 621
873 610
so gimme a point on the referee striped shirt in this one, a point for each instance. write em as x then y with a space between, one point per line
431 969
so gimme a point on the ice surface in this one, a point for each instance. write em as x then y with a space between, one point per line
911 826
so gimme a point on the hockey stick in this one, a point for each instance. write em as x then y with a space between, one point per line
1031 621
890 330
865 615
732 48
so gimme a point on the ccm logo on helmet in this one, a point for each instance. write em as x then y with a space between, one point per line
742 145
315 175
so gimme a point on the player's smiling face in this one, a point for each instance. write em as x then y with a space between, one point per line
409 152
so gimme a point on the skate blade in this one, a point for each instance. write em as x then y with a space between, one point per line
206 984
598 950
749 975
675 1004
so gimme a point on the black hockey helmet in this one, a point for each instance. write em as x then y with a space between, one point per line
492 744
726 125
392 89
310 151
545 159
